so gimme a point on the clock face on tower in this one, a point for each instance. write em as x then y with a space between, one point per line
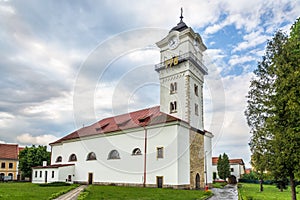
173 42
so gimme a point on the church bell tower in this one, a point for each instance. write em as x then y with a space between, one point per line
181 74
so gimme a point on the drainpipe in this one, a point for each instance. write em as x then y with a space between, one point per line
205 160
145 157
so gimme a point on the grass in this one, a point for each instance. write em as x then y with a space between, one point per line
250 191
219 184
116 192
21 191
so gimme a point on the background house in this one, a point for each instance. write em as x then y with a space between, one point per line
237 167
9 161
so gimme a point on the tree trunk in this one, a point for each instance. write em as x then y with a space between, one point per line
293 187
261 188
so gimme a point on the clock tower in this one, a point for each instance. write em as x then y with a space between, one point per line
181 74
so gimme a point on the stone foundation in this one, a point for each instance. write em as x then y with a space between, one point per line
135 185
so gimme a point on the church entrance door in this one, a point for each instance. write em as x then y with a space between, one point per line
197 181
159 181
90 180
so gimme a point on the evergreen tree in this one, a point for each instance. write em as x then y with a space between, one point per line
223 167
273 111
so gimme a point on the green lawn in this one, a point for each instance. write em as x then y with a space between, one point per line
116 193
21 191
248 190
219 184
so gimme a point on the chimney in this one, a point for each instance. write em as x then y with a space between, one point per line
44 163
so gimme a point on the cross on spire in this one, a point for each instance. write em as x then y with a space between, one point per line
181 17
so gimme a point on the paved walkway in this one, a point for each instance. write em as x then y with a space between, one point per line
229 192
73 194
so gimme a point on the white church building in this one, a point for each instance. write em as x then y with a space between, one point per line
162 146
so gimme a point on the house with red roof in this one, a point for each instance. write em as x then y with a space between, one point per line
161 146
237 167
9 161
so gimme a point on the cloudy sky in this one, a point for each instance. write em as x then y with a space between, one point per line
65 64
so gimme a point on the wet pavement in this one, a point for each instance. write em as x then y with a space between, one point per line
229 192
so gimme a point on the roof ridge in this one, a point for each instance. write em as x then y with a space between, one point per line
122 122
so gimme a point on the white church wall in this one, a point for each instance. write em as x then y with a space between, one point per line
183 156
167 166
208 151
129 168
65 172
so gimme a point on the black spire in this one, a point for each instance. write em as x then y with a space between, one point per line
181 25
181 17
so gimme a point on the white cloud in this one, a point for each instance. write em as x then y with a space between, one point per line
6 119
27 138
6 9
229 124
237 59
40 54
251 40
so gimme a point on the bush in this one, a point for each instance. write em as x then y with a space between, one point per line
55 184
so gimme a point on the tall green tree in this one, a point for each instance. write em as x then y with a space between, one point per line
285 121
223 166
32 157
273 111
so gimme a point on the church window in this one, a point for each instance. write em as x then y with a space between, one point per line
173 88
160 152
58 159
136 151
91 156
196 89
35 174
114 154
173 107
72 158
41 174
52 174
196 109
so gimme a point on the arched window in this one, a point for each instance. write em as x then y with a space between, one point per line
58 159
11 176
114 154
173 107
72 158
136 151
173 88
91 156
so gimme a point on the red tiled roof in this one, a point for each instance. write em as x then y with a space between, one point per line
141 118
231 161
215 160
9 151
53 166
21 149
236 161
